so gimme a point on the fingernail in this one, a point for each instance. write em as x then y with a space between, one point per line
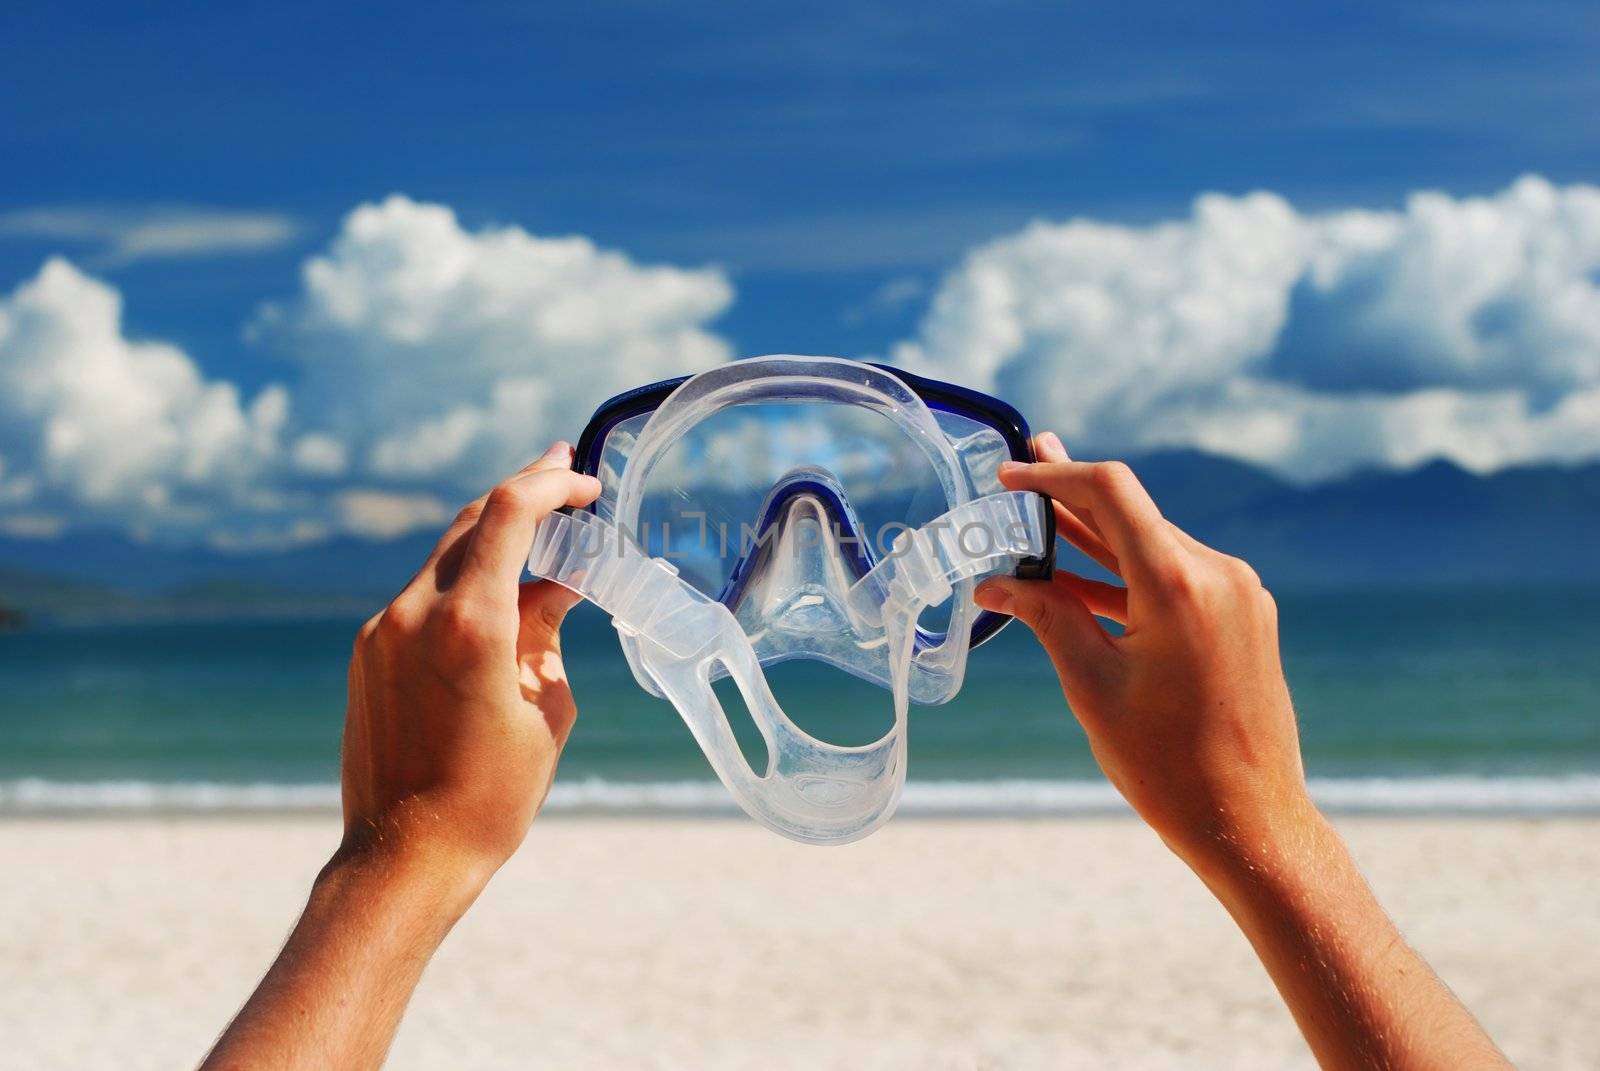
1013 467
1052 442
993 597
559 448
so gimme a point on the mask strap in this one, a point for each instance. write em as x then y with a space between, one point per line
811 791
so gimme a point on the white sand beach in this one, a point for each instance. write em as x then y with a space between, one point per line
622 942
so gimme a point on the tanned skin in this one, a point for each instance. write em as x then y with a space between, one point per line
1188 714
458 710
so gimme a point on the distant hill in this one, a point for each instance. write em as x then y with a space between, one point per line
26 596
1437 525
1432 526
107 559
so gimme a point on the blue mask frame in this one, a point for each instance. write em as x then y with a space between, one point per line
948 397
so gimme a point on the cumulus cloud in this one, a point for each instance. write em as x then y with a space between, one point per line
114 428
436 353
376 514
426 359
33 526
1463 328
125 235
887 300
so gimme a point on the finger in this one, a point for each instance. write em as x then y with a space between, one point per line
543 605
498 550
1194 544
1066 628
1047 446
439 571
1087 517
1072 527
1074 523
558 455
444 562
1075 526
1103 600
1133 527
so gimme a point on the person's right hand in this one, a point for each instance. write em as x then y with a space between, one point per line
1187 712
458 703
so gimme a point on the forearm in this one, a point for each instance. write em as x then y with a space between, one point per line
1361 996
335 994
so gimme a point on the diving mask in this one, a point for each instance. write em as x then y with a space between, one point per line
798 507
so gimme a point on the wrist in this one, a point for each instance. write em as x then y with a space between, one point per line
421 881
1269 843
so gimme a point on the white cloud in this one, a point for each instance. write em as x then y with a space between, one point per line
282 533
888 299
1464 328
33 526
319 455
1311 436
124 235
96 428
376 514
429 360
1478 293
116 428
438 353
432 361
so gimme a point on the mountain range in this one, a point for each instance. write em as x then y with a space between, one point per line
1433 526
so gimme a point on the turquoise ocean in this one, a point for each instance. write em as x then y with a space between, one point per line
1422 700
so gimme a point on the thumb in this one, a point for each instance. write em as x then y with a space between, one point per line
543 605
1058 617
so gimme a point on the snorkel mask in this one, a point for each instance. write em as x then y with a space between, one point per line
798 507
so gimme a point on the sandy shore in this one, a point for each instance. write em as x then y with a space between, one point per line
128 942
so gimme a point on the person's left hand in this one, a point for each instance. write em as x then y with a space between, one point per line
458 703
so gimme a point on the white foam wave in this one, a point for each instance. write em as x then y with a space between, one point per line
1570 794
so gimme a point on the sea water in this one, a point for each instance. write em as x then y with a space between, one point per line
1438 700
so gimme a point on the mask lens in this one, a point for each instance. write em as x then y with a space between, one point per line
847 474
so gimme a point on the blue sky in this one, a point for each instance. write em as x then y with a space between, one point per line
816 150
836 163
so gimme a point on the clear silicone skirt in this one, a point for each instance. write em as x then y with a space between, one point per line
798 507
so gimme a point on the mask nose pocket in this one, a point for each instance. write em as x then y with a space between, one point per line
800 584
808 552
810 790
